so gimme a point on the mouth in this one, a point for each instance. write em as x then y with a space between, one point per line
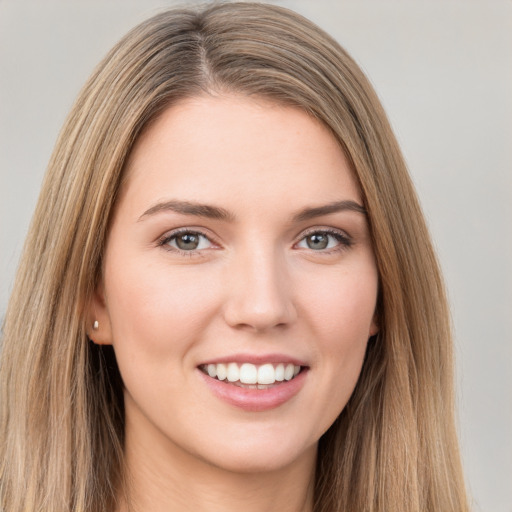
252 376
254 383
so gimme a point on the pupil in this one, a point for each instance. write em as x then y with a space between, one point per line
318 241
187 242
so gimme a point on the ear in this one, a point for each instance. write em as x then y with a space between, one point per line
374 326
99 328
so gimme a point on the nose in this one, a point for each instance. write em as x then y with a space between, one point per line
259 292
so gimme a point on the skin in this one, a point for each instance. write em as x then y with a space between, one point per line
254 285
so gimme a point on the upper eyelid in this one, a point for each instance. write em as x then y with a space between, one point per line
178 231
323 229
343 238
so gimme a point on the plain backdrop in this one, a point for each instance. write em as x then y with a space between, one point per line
443 70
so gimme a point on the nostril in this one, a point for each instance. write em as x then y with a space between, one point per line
251 315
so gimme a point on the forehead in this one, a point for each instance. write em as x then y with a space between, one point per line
226 147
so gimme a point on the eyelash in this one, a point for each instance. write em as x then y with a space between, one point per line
164 242
345 242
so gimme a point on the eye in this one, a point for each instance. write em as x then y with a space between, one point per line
324 240
187 241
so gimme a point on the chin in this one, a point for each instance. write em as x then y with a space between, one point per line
251 456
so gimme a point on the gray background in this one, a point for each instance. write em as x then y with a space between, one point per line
443 71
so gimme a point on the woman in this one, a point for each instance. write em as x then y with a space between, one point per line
228 296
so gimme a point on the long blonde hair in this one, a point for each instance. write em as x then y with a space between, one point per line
394 446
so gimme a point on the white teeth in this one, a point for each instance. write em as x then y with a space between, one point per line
266 374
288 372
233 372
247 373
221 371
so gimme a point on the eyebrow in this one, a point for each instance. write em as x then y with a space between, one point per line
337 206
215 212
189 208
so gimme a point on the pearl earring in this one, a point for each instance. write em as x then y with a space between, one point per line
95 325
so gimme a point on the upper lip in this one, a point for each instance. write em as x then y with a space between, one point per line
256 359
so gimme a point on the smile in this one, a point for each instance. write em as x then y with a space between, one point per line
252 376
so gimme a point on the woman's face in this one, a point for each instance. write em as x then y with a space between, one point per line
239 255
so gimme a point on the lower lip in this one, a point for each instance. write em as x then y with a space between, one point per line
255 400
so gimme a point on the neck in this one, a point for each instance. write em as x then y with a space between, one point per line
173 480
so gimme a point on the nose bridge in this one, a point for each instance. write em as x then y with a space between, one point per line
260 293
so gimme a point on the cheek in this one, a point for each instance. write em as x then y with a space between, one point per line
342 305
153 309
340 311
